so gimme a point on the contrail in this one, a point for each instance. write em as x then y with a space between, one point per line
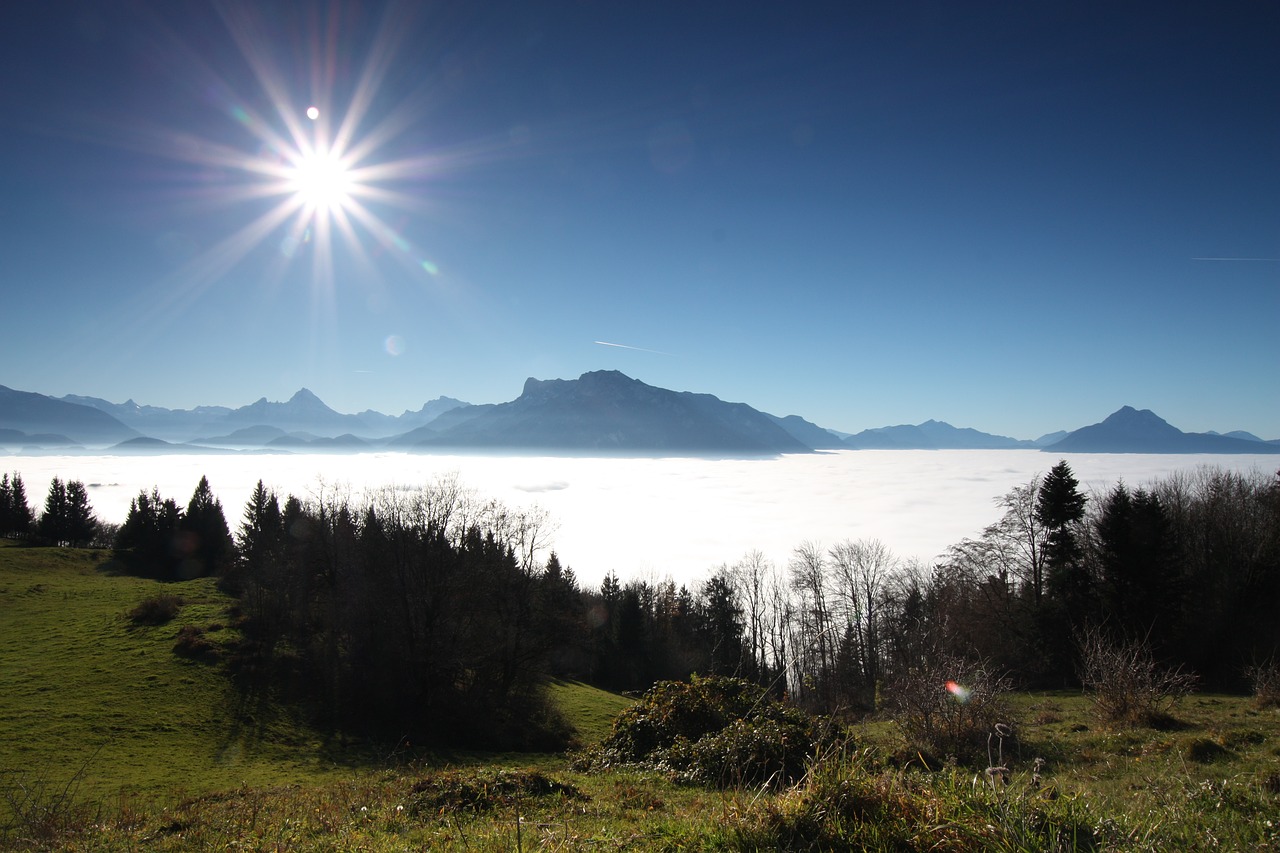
637 349
1236 259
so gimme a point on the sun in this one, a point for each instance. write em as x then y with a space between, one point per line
321 180
337 180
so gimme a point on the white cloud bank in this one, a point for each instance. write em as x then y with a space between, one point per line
654 517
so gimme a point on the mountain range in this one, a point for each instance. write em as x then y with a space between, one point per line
602 412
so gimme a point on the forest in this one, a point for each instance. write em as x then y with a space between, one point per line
436 614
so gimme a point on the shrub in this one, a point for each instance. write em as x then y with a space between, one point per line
753 752
482 790
671 710
38 812
1265 678
715 731
192 643
948 707
1129 686
156 610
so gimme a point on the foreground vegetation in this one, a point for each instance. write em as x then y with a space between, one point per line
119 734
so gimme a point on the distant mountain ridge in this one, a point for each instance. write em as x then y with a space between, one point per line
304 412
601 412
932 435
607 411
1130 430
30 414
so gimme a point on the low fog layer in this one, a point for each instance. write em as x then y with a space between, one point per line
652 517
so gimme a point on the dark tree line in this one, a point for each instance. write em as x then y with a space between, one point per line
645 632
158 539
423 613
67 519
1189 565
16 517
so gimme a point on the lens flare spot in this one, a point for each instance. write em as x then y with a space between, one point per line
959 691
313 113
394 345
431 268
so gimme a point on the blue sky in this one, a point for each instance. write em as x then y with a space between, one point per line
993 214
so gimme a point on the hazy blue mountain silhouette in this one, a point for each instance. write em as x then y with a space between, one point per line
602 412
33 414
158 422
900 437
607 411
252 436
1051 438
148 446
1130 430
346 441
1236 433
36 440
378 424
807 433
931 435
303 412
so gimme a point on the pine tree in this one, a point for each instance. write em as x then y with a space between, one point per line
6 506
1141 578
81 525
21 519
261 527
207 541
9 506
258 542
148 541
52 526
1059 509
721 626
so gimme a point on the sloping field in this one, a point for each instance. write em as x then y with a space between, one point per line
87 693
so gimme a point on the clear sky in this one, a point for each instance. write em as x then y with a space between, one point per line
1011 216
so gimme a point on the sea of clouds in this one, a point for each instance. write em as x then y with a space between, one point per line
652 518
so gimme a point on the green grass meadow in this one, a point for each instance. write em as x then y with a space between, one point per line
86 693
109 740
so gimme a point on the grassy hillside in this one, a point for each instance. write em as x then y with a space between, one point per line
156 752
84 690
588 709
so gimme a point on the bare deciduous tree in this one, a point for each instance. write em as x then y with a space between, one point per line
862 572
813 646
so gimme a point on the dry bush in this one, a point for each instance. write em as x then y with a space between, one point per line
38 811
949 706
1129 686
156 610
192 643
1265 678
